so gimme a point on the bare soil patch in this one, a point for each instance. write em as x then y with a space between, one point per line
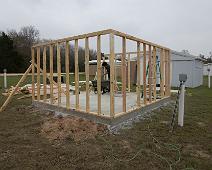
78 129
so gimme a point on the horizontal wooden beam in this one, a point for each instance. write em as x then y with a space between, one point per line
82 36
133 38
103 32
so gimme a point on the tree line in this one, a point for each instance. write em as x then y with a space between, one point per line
15 51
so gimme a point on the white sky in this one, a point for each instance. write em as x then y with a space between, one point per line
177 24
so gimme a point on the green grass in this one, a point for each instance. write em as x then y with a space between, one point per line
22 146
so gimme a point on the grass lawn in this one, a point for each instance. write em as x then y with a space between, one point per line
147 144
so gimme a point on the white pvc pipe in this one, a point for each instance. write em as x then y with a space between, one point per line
5 79
209 80
181 106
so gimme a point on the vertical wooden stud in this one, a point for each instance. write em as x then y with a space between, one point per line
162 73
144 73
138 89
99 70
59 74
104 70
154 73
128 72
33 73
150 74
67 75
169 73
44 74
38 73
87 74
76 75
51 75
123 68
112 57
166 73
115 78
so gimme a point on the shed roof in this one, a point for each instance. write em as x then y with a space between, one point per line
185 56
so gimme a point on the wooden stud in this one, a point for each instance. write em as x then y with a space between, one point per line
38 73
166 73
59 74
67 75
87 74
15 89
76 75
44 74
150 74
99 70
154 73
128 72
104 70
144 74
112 57
51 75
54 83
123 66
138 89
33 73
115 78
169 73
162 73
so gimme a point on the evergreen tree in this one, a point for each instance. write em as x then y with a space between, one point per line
9 58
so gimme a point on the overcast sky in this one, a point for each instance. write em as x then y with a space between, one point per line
177 24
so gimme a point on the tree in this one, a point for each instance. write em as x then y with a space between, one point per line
10 59
23 40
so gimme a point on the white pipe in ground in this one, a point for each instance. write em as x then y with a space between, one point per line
181 105
5 78
209 80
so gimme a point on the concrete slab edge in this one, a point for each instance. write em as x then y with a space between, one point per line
112 123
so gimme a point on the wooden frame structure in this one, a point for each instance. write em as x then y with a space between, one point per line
145 48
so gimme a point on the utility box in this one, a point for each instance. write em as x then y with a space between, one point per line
182 77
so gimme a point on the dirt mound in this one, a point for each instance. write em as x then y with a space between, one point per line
78 129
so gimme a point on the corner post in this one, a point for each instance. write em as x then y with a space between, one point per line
67 75
112 67
123 68
138 89
99 70
44 74
87 74
144 74
38 73
33 73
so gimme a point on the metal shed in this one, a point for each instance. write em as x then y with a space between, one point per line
183 63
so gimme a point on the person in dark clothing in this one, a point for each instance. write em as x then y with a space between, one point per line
107 87
107 67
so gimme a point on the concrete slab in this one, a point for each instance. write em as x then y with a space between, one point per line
105 102
105 119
